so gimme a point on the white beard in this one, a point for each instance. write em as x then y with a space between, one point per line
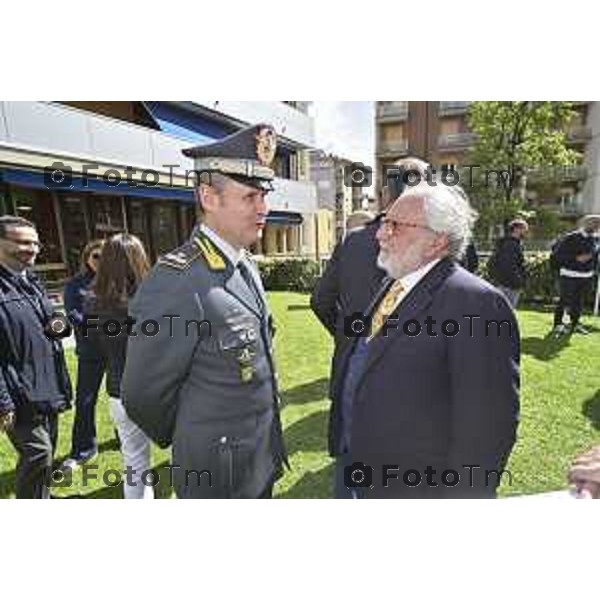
398 268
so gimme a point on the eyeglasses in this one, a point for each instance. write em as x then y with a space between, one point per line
392 226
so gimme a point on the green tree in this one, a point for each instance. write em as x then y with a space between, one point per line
516 141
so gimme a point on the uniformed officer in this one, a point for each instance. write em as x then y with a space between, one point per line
34 383
206 380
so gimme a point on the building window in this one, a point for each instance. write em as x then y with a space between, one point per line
106 215
138 221
3 201
76 231
449 167
282 166
164 227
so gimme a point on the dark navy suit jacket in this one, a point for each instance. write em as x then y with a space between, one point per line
437 401
348 285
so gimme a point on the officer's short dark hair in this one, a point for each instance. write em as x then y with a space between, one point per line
219 182
10 222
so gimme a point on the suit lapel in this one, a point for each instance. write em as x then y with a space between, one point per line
418 299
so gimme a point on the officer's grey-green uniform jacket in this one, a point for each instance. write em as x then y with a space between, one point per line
205 383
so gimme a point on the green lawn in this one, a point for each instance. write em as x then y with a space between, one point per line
560 412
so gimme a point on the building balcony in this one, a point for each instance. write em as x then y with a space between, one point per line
389 112
453 108
40 132
293 196
557 174
289 122
392 148
35 134
566 208
579 134
452 141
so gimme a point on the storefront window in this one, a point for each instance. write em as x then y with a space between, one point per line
75 228
164 227
189 219
137 221
3 201
106 215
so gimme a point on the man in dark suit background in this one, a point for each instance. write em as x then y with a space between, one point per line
350 281
436 398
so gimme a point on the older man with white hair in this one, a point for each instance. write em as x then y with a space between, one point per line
428 396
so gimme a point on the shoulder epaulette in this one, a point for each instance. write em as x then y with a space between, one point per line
212 255
182 257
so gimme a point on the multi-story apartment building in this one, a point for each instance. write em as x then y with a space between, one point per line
125 172
328 171
439 133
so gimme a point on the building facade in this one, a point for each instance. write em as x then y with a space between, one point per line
85 170
439 133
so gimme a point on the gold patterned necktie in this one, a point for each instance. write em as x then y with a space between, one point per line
386 307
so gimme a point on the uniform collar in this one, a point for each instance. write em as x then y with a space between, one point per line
17 274
234 256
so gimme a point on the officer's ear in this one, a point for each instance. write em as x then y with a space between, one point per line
207 198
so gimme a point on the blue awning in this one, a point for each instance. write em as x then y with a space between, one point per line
280 217
35 179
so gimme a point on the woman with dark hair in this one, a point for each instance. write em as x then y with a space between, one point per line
90 360
124 265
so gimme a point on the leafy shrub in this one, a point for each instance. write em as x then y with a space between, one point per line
542 282
293 275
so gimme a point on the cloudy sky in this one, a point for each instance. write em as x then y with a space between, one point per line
346 129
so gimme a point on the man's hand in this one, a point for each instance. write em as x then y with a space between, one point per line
585 473
582 258
7 421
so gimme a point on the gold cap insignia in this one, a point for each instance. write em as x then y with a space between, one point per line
266 144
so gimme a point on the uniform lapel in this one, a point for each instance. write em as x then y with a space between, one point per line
418 299
237 286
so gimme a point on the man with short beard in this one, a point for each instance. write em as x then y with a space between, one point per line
428 397
34 383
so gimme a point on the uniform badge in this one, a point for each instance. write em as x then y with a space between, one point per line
245 358
246 373
266 144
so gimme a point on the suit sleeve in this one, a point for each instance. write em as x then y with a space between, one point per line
157 365
72 301
515 266
6 401
325 297
484 373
